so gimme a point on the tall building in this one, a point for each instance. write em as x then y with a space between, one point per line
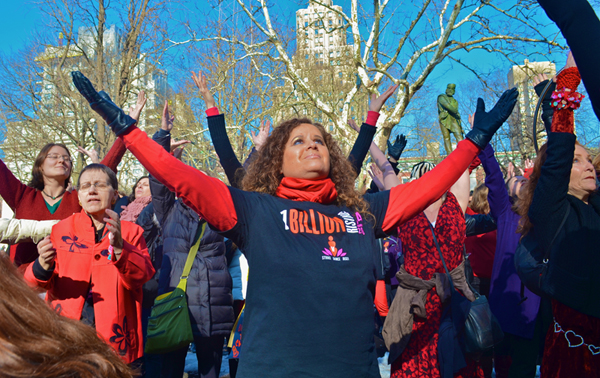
522 128
323 60
57 61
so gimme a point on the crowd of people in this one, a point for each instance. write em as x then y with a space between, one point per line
324 258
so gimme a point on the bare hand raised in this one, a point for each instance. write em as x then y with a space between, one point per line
91 153
166 122
134 112
260 138
377 102
113 224
353 125
200 81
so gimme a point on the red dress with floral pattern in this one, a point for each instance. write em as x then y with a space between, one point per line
422 259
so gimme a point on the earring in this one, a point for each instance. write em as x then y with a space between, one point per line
80 203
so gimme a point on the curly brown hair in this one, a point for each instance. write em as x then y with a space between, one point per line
479 202
264 173
36 342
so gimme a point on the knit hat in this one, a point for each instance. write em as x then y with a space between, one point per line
420 169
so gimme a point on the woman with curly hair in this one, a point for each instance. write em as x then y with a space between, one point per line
307 234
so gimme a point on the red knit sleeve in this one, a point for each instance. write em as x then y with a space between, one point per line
114 155
11 189
563 120
380 300
408 200
207 196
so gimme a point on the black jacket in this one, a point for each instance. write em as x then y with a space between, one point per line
209 284
575 254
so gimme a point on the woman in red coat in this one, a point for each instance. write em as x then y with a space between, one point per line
93 266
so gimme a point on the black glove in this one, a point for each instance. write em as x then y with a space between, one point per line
101 103
395 150
486 124
547 109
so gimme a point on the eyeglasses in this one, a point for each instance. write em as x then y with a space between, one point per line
86 186
66 158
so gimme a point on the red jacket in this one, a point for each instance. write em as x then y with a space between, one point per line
83 267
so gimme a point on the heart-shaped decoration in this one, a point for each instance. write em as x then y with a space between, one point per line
575 340
594 349
557 328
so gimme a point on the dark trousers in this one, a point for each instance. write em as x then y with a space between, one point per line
524 352
209 351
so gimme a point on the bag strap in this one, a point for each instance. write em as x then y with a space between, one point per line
562 223
441 255
191 256
547 254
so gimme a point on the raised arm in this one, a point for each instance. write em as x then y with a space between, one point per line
118 149
580 26
218 133
410 199
367 130
162 198
11 189
497 196
549 201
389 175
461 190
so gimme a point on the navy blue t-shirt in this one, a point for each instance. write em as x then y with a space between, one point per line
309 305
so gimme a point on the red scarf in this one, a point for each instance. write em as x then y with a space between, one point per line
295 189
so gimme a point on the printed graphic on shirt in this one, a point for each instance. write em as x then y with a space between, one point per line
333 253
73 243
313 222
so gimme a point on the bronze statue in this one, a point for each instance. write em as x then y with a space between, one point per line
449 117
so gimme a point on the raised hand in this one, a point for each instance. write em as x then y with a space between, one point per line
260 138
353 125
377 102
166 122
395 150
113 224
200 81
47 253
510 170
135 111
376 176
177 147
91 153
485 124
101 103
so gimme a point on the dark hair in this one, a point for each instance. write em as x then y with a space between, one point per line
131 197
37 342
264 173
524 201
479 202
37 176
112 177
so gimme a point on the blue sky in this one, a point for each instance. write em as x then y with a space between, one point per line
19 20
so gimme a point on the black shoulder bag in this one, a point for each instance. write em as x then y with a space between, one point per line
482 330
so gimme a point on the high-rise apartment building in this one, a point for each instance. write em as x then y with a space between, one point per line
522 76
323 60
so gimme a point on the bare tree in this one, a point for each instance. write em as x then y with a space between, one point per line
37 95
393 42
